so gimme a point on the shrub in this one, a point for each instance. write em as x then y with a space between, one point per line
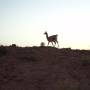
85 60
3 50
42 44
13 45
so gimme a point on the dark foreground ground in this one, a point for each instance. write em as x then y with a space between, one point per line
44 68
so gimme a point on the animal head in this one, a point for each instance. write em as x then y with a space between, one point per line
45 33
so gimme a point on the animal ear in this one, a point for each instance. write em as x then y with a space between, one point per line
45 32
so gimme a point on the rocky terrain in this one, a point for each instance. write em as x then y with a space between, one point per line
44 68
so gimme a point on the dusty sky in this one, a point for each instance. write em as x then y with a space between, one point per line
23 22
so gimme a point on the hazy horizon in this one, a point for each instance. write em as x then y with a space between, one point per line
24 22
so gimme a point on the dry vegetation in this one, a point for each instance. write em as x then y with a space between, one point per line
44 68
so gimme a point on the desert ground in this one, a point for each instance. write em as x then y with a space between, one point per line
44 68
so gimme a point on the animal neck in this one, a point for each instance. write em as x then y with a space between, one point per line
47 35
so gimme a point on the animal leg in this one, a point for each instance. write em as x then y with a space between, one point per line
48 43
57 43
52 43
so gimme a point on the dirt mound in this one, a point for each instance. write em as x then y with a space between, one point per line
44 68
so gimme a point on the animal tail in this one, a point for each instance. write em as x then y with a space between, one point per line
56 35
